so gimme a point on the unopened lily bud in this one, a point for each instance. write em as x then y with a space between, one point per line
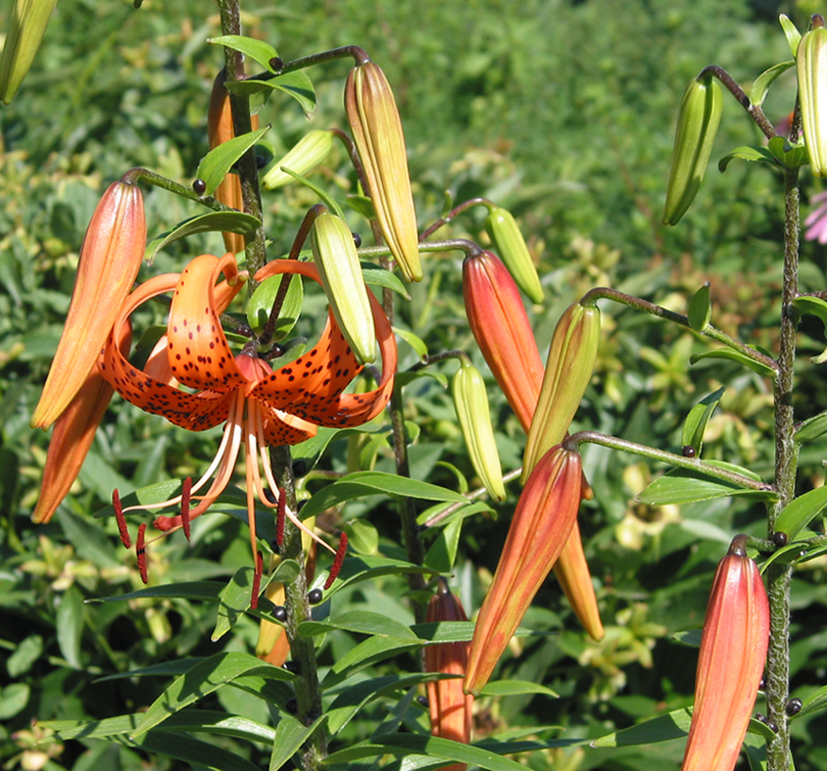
811 63
310 151
500 325
509 242
110 257
450 708
26 26
471 404
338 262
731 661
542 523
219 130
377 133
698 121
569 369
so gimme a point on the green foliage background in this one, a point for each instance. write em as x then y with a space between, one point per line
561 111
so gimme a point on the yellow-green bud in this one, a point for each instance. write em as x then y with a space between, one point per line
511 246
471 403
568 372
698 121
26 25
812 93
338 262
311 150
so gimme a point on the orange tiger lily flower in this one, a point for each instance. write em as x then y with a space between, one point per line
259 406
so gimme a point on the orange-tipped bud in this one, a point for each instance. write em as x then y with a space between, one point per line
72 437
109 261
272 645
568 371
377 133
572 572
219 130
500 324
730 664
544 519
450 708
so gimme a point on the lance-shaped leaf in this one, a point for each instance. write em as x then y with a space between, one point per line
698 120
26 26
377 133
449 707
543 521
812 93
335 255
568 371
109 261
509 241
471 403
730 664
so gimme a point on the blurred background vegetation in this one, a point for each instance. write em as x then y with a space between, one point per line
562 111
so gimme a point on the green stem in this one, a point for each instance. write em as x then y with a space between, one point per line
133 176
786 461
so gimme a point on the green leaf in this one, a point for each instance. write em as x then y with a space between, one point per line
733 355
204 678
375 275
791 32
416 342
791 156
660 729
700 309
683 486
296 84
13 699
234 602
748 153
762 83
361 622
263 299
362 483
802 510
25 654
290 736
697 419
811 429
365 568
362 536
218 161
69 625
814 306
230 221
372 650
193 751
515 688
443 551
189 590
816 701
257 50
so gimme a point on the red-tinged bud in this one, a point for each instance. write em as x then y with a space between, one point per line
109 261
572 573
500 325
377 133
730 664
544 519
219 130
568 371
72 437
450 708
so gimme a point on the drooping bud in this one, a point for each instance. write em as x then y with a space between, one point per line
377 133
509 242
219 130
572 573
26 26
811 63
730 663
450 708
335 255
542 522
568 372
110 257
698 120
471 404
500 325
310 151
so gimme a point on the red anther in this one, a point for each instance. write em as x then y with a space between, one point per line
185 506
337 561
257 580
123 530
280 513
140 552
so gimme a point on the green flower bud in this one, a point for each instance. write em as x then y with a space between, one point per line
512 248
338 262
471 403
568 371
698 120
27 23
311 150
812 93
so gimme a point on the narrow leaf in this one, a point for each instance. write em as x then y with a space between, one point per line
748 153
811 429
700 309
697 419
762 83
231 221
296 84
799 512
217 162
791 32
257 50
733 355
70 625
290 736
